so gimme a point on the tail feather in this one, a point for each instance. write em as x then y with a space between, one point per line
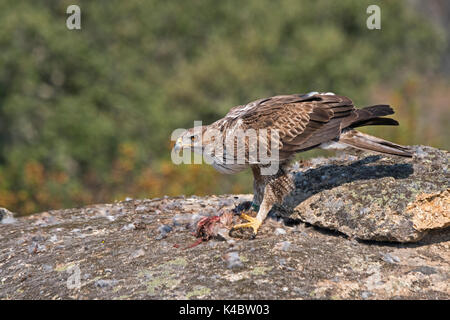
374 122
364 141
371 115
378 110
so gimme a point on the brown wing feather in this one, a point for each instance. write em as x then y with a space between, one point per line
330 115
302 121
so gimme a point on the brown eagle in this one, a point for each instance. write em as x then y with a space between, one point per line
300 122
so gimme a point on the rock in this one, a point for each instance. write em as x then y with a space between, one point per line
425 270
140 224
6 216
163 231
280 231
233 260
8 220
141 209
366 294
129 226
373 197
37 238
105 283
284 245
47 268
35 247
136 254
311 262
389 258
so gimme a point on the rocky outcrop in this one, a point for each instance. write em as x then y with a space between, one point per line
372 197
143 249
6 216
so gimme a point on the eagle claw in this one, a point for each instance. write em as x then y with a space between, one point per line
253 223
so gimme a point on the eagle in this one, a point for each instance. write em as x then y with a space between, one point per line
292 124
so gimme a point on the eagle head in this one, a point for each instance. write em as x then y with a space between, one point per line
192 139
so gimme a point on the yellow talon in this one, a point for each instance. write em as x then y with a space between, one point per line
253 223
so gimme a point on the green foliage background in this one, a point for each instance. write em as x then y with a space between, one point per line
86 116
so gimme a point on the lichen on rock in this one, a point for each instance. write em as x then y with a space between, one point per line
374 197
115 251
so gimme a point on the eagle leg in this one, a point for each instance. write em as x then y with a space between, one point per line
275 189
255 223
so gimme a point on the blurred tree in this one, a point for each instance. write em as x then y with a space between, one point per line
87 115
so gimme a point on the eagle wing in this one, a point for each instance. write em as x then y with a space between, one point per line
302 121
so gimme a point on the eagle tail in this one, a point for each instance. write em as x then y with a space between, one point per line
367 142
370 116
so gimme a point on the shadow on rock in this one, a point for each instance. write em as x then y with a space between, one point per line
331 176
